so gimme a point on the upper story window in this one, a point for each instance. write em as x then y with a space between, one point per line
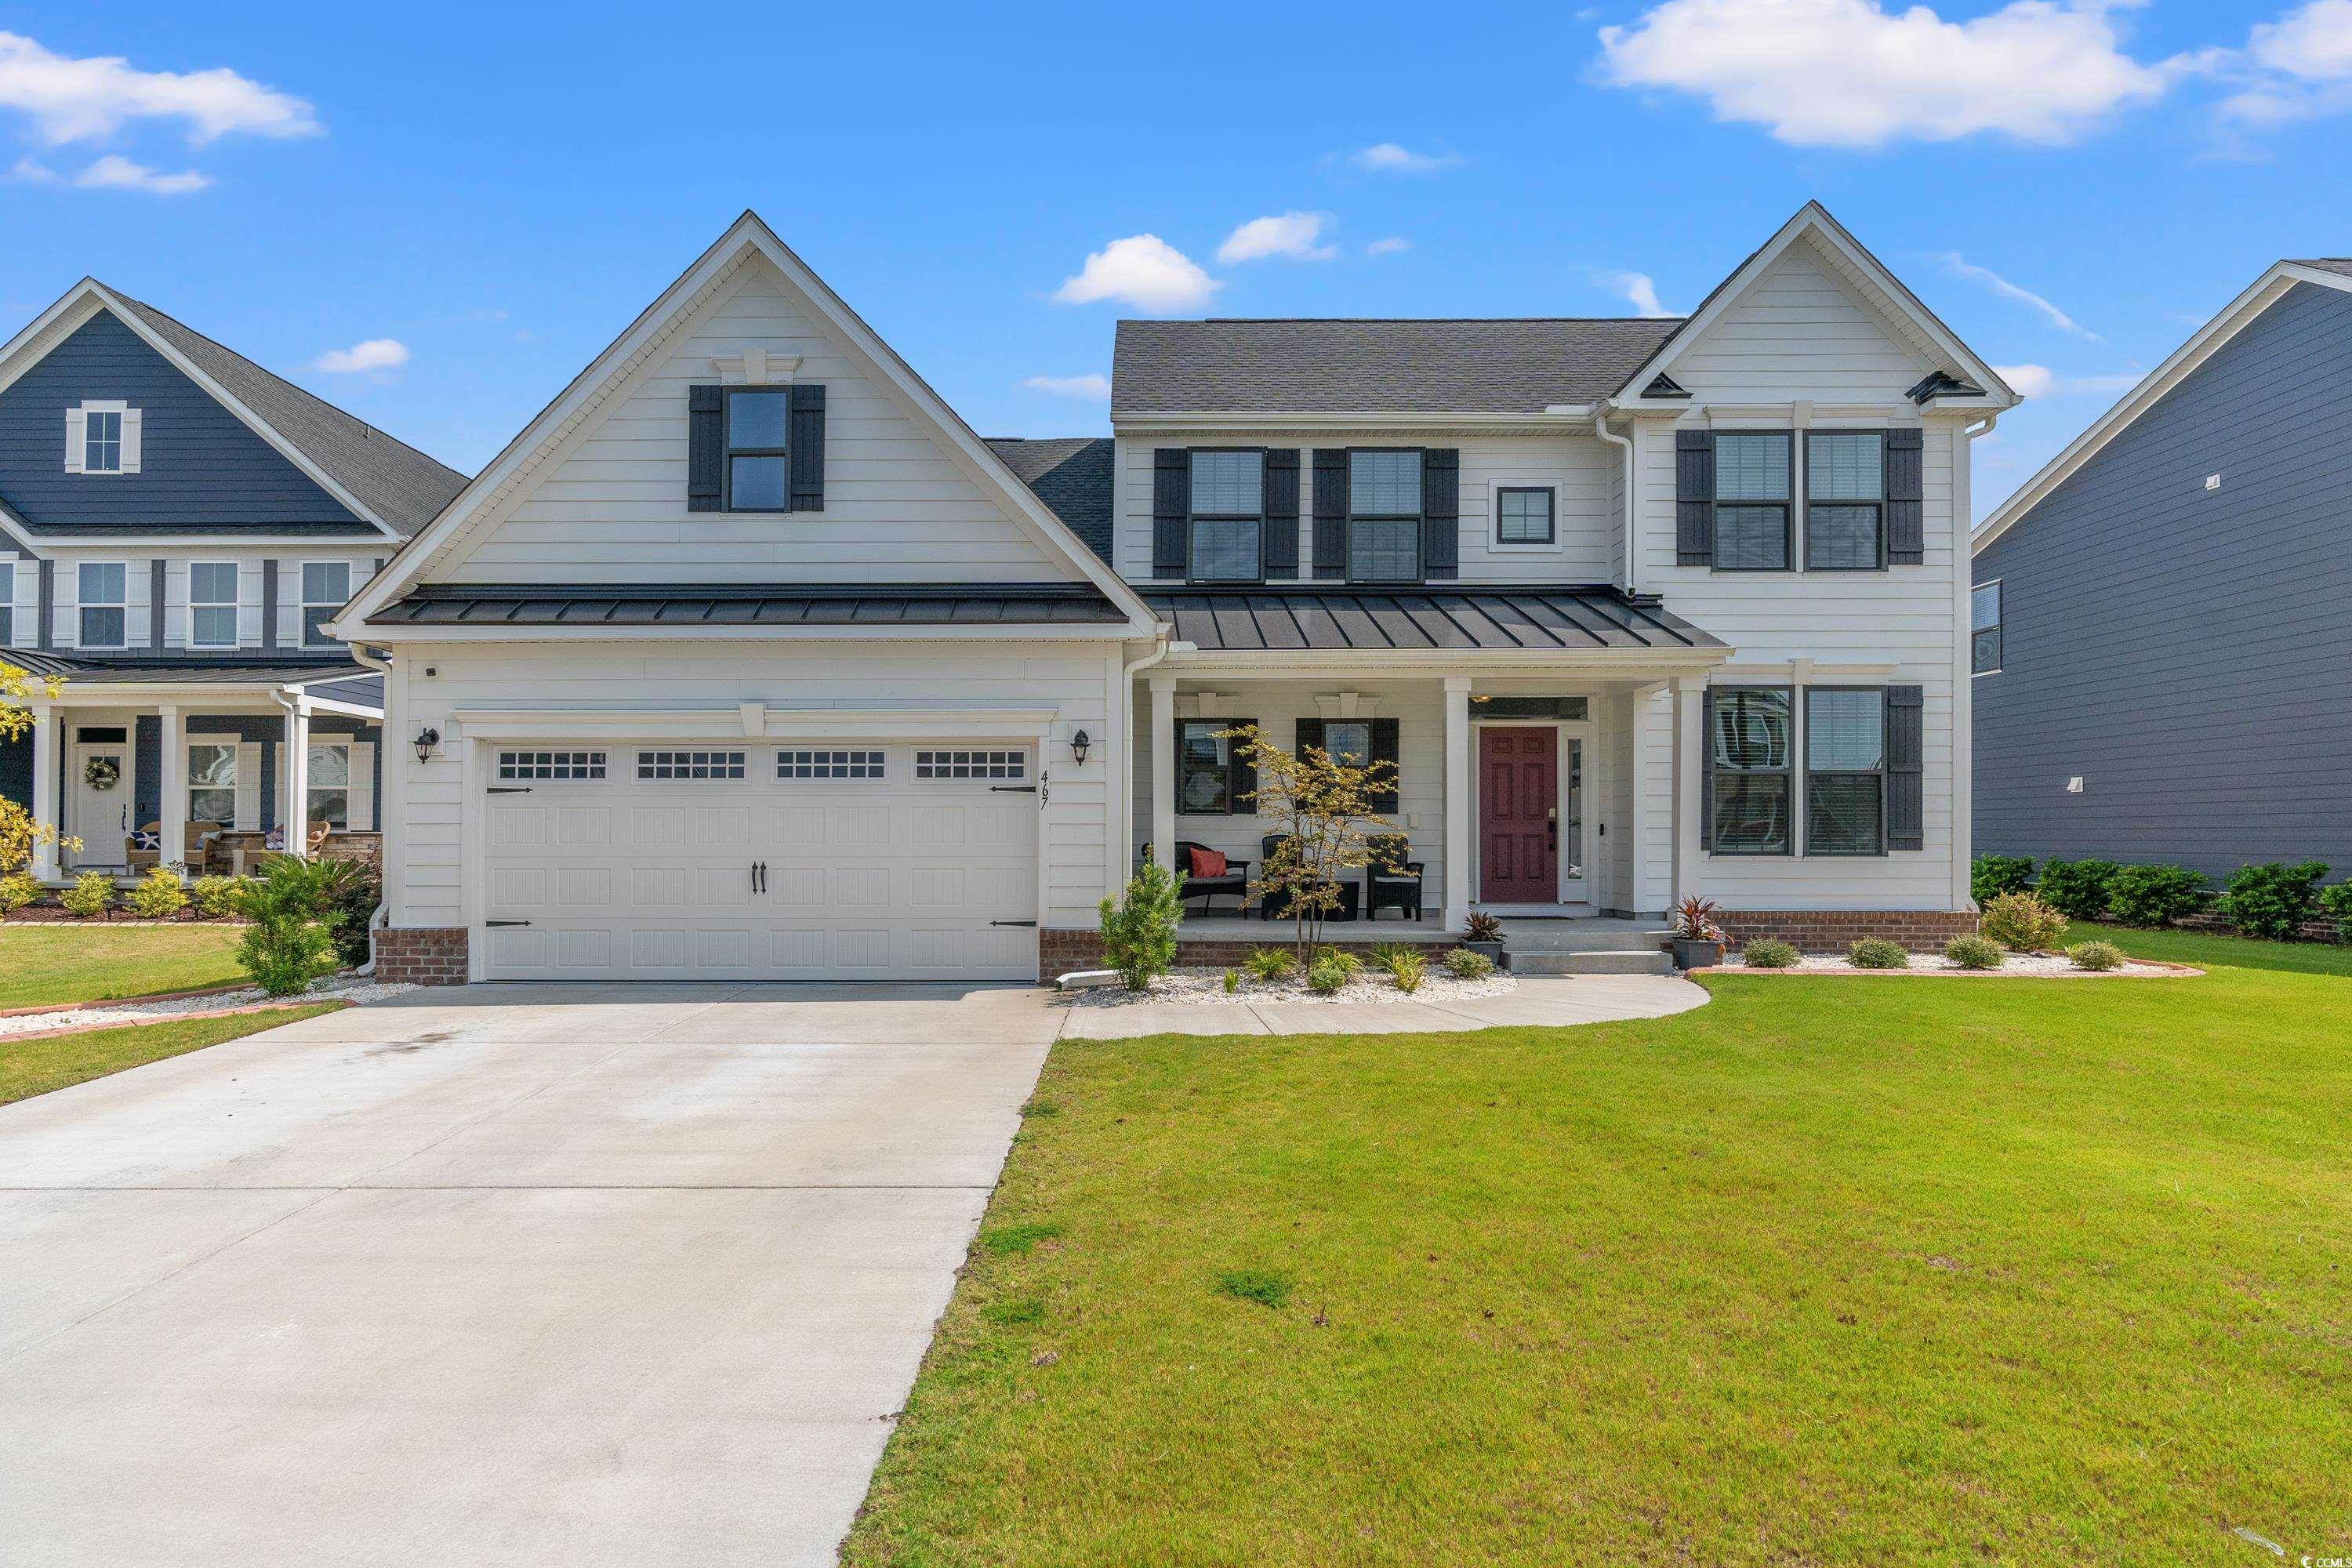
1523 515
103 589
1752 501
1845 501
326 588
1984 623
1384 517
1228 522
212 604
102 436
756 419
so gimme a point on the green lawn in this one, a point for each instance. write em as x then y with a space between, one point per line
1829 1271
43 963
29 1067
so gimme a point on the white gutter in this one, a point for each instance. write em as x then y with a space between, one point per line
1119 814
1632 555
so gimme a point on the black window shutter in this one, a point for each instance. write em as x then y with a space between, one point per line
805 442
1280 556
1310 733
1332 513
1440 516
705 447
1906 491
1706 770
1244 790
1906 806
1693 498
1172 504
1384 750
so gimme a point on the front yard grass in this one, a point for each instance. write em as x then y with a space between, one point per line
50 964
1834 1271
29 1067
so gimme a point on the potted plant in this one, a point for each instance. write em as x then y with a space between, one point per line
1699 941
1484 934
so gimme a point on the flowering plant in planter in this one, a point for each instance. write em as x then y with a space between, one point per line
1699 941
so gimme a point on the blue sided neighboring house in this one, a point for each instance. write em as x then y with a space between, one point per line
177 525
2164 615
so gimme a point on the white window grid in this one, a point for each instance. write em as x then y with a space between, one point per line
550 764
971 765
691 764
212 616
829 765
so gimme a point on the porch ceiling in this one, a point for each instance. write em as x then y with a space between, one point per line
1424 618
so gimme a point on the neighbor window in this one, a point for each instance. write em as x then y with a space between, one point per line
212 782
104 587
1845 772
1523 516
101 440
1204 767
212 604
1384 517
1751 502
329 795
1984 621
1845 501
1750 757
7 602
1228 517
326 587
756 480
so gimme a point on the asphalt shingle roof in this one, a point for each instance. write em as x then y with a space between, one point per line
2329 264
1072 475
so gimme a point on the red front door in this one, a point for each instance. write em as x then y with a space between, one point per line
1518 791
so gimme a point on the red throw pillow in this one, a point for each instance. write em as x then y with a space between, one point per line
1208 863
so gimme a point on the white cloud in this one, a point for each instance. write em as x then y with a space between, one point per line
1638 288
376 353
1846 73
1964 268
1094 388
1391 246
1295 236
114 173
74 99
2032 380
1388 158
2298 68
2027 380
1143 270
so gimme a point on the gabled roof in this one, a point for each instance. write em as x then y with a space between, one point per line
1071 474
2234 318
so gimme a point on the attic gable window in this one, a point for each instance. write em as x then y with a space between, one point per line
102 436
757 477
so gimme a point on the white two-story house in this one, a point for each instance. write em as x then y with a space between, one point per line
748 659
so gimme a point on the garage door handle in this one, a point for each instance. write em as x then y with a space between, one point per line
1012 789
510 789
1012 923
495 924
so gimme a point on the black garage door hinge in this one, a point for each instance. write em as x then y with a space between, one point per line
1012 789
1031 924
506 922
510 789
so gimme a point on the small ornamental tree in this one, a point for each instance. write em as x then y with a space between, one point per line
1140 929
1322 809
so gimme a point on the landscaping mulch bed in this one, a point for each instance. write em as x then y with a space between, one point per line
1208 985
2016 966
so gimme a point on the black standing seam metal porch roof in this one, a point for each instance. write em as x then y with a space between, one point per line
246 670
1537 619
752 605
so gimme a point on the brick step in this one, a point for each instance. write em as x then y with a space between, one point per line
1602 960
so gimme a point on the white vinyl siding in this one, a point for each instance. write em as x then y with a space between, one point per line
1801 330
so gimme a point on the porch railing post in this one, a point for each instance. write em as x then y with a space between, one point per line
172 797
1457 802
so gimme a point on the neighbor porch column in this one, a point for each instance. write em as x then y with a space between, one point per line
1160 776
294 811
44 788
1457 802
172 819
1690 759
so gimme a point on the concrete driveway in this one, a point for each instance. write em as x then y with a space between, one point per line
522 1274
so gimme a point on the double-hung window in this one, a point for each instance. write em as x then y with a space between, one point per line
101 440
1752 501
756 419
212 604
1845 501
1228 517
326 588
1384 517
7 602
212 782
1752 759
104 588
1984 624
1204 767
329 794
1845 771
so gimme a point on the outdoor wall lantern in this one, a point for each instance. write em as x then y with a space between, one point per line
1079 742
427 739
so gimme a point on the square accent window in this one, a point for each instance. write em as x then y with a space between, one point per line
1845 501
1228 517
757 420
1984 625
212 782
1751 761
1845 772
550 764
101 441
829 765
971 765
103 588
329 795
1523 516
691 764
212 604
326 588
1751 495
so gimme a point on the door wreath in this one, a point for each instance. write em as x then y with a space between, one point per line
102 772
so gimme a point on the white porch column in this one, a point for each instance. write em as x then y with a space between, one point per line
1457 800
1649 816
1690 759
172 819
294 811
44 788
1160 776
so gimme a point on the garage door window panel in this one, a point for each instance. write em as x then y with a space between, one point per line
833 765
680 765
975 764
551 765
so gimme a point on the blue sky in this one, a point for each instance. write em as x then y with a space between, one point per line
2074 186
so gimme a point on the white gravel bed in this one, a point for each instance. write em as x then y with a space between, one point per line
334 987
2017 965
1208 985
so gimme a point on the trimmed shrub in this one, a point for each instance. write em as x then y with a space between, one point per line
1990 876
1877 953
2096 957
1139 928
1269 963
1340 959
18 889
215 896
2272 901
1406 968
158 897
285 947
1468 965
2076 889
2021 923
2154 895
2336 902
1768 953
89 895
1975 952
1326 978
1233 981
348 894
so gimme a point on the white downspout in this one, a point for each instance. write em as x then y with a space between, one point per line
380 916
1121 813
1633 556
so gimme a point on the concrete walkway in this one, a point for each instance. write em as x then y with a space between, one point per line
1549 1001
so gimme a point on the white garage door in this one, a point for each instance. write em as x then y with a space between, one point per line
662 861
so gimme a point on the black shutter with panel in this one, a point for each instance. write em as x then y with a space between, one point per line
705 447
1172 503
1280 556
1906 806
1441 515
1693 498
1907 490
1332 513
806 445
1706 770
1384 750
1244 790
